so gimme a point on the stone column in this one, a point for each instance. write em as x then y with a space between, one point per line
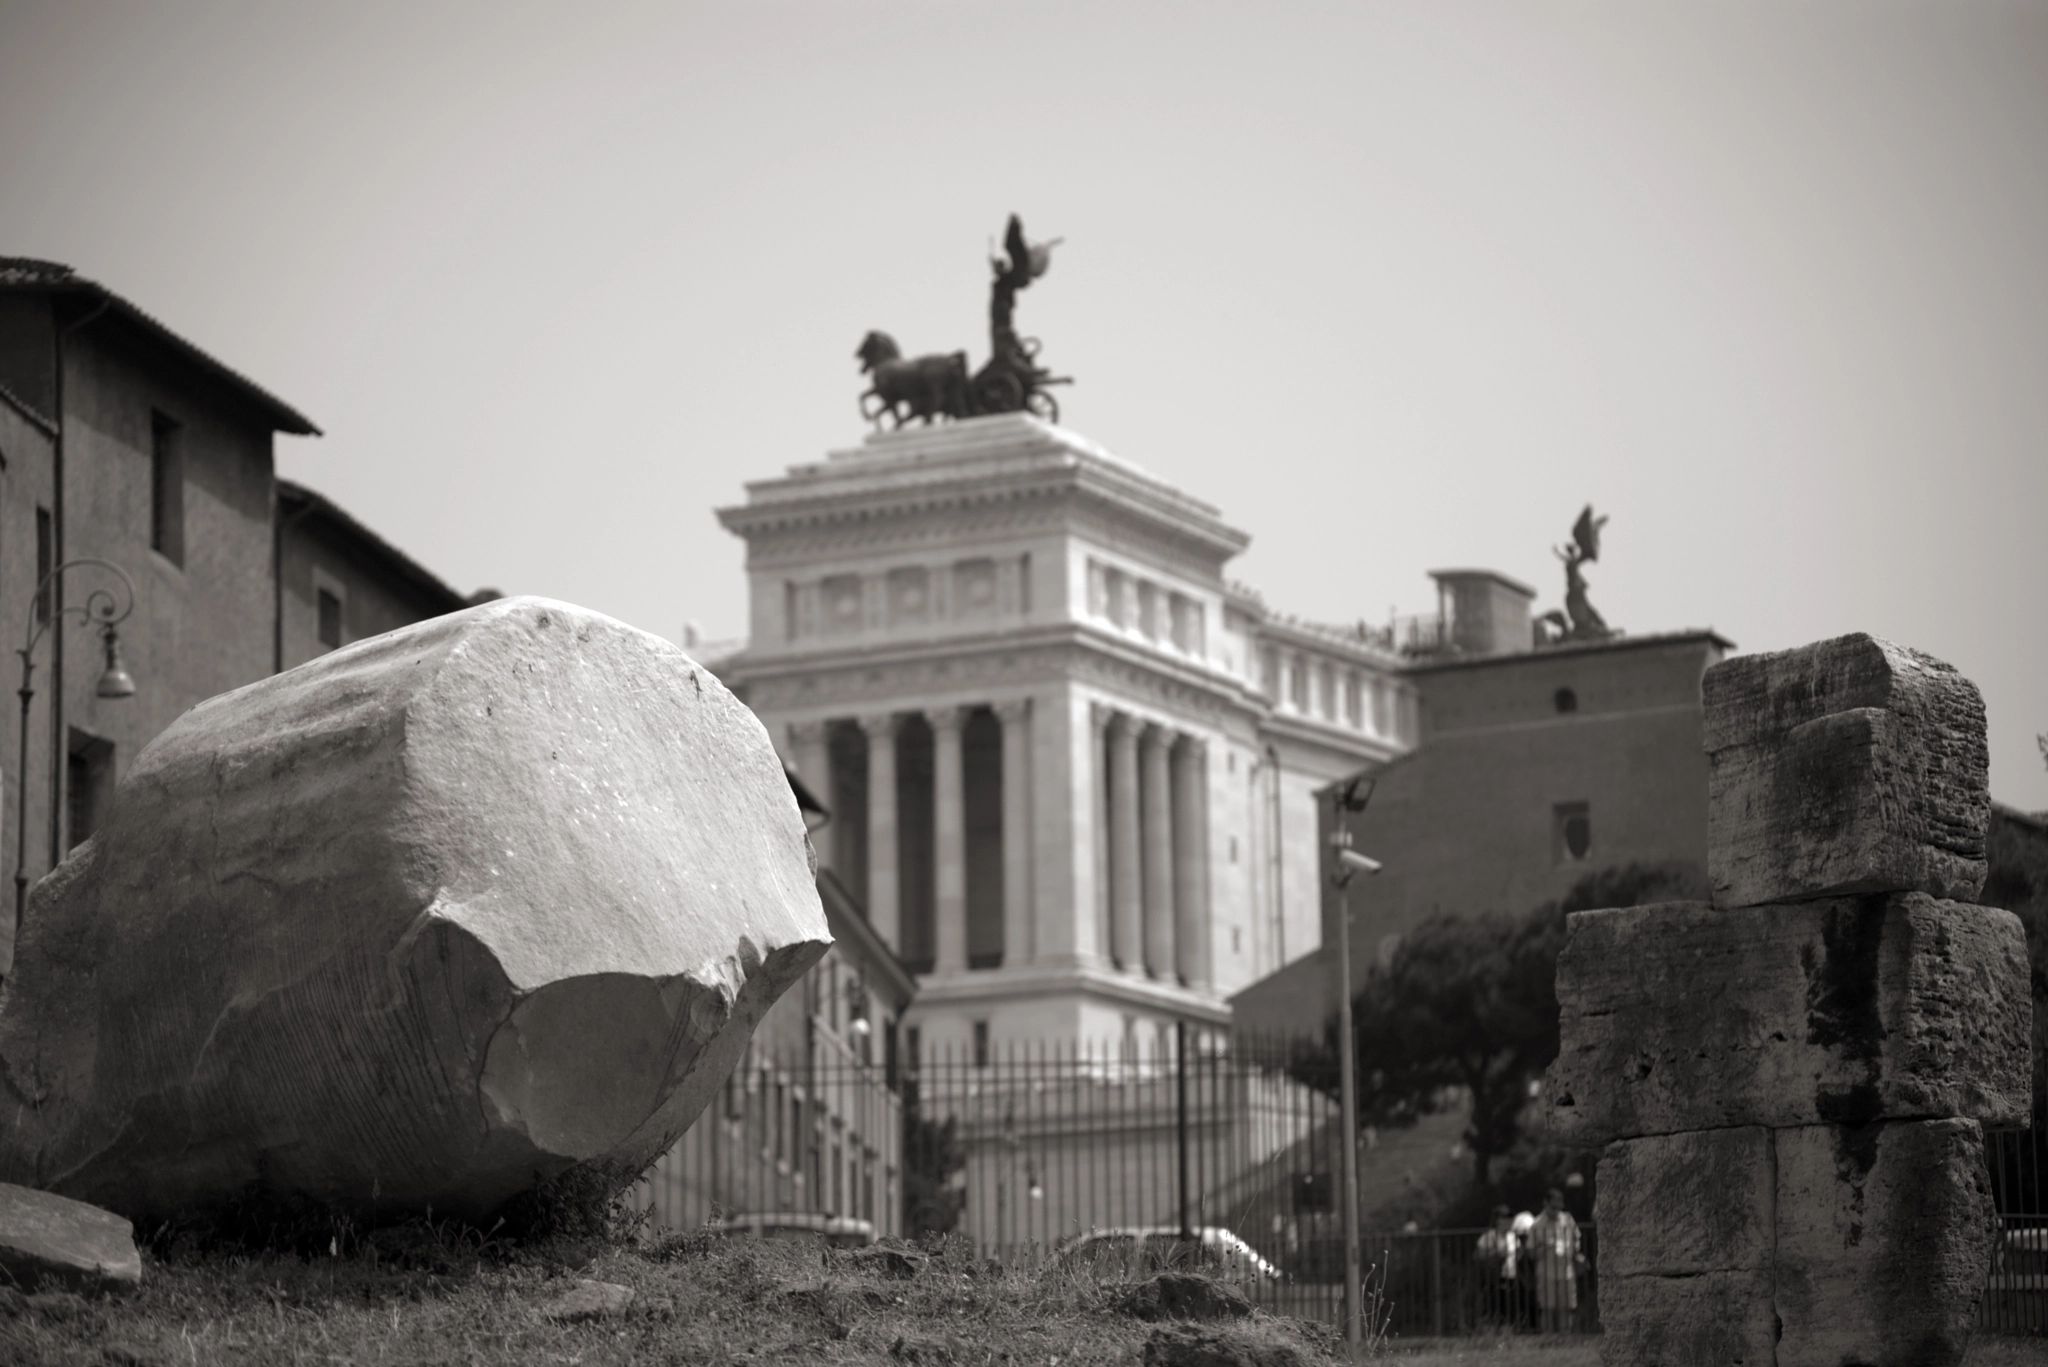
1020 932
813 756
1156 802
1191 933
1126 887
884 898
949 842
1097 779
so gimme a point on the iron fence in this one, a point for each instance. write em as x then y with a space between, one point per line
2016 1297
1204 1148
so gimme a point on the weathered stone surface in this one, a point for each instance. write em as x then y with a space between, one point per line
1682 1204
1884 1242
52 1242
1853 765
1683 1016
1714 1319
421 921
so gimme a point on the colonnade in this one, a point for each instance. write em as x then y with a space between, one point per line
1147 791
1152 850
886 878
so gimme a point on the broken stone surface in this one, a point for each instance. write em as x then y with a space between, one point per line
420 922
1853 765
1684 1204
50 1242
1712 1319
1684 1016
1884 1242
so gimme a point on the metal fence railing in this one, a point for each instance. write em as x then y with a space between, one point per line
1060 1151
2016 1297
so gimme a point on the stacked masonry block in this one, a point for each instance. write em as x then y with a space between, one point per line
1789 1082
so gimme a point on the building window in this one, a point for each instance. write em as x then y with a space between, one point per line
89 781
1566 700
166 489
329 604
1571 832
981 1044
46 559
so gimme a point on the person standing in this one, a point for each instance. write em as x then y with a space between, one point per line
1497 1281
1554 1239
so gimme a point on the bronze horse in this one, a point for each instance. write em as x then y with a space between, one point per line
921 387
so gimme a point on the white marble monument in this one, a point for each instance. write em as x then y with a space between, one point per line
1072 768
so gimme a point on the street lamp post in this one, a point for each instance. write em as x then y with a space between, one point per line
100 606
1347 862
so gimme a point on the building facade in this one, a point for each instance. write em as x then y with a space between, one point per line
122 442
1538 763
337 581
1072 766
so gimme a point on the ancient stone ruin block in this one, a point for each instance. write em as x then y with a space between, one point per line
1684 1016
1884 1242
1678 1205
436 914
52 1243
1714 1319
1853 765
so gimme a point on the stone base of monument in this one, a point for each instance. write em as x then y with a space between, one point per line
434 917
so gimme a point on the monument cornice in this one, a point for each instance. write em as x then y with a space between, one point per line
942 470
931 531
1068 652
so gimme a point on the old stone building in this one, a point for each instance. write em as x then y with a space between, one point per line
121 441
1073 767
130 445
339 581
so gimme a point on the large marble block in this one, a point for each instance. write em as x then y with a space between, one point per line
1884 1242
1684 1016
1678 1205
433 916
1853 765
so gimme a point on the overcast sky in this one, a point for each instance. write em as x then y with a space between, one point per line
1395 286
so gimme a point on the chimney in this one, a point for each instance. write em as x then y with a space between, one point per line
1484 612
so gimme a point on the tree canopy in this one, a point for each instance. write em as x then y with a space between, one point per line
1467 1007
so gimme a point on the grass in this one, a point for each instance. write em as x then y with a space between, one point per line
428 1296
434 1294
